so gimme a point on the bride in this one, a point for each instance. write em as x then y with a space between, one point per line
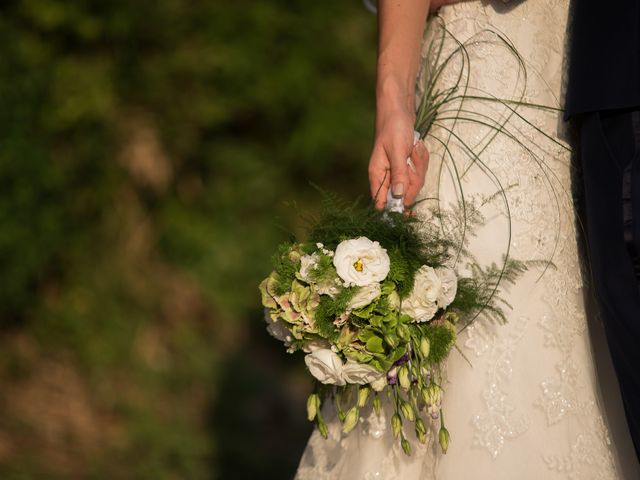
522 400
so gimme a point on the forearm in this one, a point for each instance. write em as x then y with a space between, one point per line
401 25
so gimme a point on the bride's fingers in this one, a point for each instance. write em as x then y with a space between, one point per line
379 177
415 185
420 162
420 158
399 172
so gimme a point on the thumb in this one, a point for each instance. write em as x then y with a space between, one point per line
399 173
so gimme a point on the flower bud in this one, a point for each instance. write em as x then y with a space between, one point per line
392 376
350 420
376 404
322 427
415 371
407 411
434 393
443 438
403 331
294 255
406 446
313 404
424 392
346 335
396 424
421 430
391 340
394 300
425 347
363 396
434 412
452 317
403 377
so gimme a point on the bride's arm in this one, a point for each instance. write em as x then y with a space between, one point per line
400 27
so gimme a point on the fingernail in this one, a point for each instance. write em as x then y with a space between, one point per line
398 190
411 165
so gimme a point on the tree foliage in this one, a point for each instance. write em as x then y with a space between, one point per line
146 150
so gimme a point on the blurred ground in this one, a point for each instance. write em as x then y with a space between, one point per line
152 155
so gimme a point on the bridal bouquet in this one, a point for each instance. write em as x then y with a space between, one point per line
372 302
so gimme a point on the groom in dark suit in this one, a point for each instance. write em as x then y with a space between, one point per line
603 100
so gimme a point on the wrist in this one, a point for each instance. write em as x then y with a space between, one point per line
393 94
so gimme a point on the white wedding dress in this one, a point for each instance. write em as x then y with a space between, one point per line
528 406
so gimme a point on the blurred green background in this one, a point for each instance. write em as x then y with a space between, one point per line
152 155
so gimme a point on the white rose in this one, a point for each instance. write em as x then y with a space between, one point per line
421 303
326 366
361 262
307 263
364 296
449 288
277 328
354 372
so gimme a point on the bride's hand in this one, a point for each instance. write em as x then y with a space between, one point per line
388 167
401 26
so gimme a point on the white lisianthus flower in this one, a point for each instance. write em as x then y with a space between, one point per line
449 288
364 296
379 383
276 327
307 263
354 372
361 262
422 301
326 366
317 344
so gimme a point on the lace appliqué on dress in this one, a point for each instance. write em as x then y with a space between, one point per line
501 420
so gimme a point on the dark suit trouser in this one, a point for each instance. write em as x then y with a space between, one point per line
610 154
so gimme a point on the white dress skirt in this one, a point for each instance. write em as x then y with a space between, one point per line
524 403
